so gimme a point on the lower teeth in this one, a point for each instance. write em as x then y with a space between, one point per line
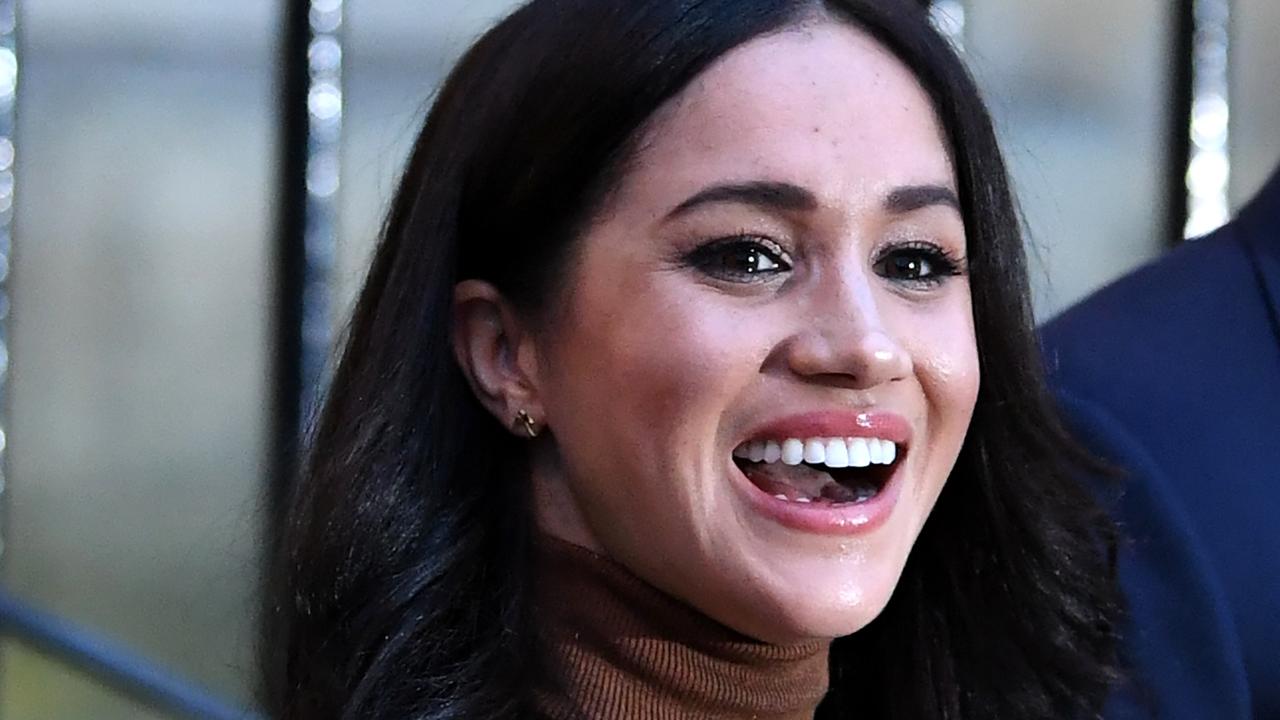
835 494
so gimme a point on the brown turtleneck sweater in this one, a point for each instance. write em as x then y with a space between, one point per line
628 650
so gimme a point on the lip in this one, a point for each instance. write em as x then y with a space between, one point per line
884 425
858 519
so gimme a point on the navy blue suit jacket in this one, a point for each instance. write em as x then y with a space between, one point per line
1173 374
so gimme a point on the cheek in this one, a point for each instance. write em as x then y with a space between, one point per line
946 361
645 367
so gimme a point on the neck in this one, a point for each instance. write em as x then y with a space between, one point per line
624 649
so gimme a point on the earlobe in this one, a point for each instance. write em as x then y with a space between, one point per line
487 339
524 421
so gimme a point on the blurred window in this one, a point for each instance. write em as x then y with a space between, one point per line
1079 91
140 293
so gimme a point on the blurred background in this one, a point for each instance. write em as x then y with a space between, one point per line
141 420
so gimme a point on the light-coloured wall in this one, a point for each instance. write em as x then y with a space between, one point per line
1255 102
397 54
140 297
1079 95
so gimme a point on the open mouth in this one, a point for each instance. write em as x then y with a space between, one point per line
830 471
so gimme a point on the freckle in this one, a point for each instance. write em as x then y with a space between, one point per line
817 129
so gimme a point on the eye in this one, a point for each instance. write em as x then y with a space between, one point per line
919 265
740 259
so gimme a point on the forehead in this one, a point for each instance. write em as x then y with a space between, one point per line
824 106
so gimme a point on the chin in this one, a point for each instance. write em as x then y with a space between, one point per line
804 610
848 615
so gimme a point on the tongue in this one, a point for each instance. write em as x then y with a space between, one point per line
804 481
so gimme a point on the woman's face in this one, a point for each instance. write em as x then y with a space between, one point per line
764 364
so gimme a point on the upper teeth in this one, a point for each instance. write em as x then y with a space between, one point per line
832 452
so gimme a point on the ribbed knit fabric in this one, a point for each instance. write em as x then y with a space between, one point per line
628 650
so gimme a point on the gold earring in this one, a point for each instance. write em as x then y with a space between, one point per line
523 420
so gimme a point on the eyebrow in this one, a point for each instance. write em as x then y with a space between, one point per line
783 196
909 198
760 193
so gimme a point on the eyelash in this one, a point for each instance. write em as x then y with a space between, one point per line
942 263
710 260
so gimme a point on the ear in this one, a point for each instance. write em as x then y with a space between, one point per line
495 352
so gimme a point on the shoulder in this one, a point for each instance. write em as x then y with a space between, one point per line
1179 310
1179 638
1146 314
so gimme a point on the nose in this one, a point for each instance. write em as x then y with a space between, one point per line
844 340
